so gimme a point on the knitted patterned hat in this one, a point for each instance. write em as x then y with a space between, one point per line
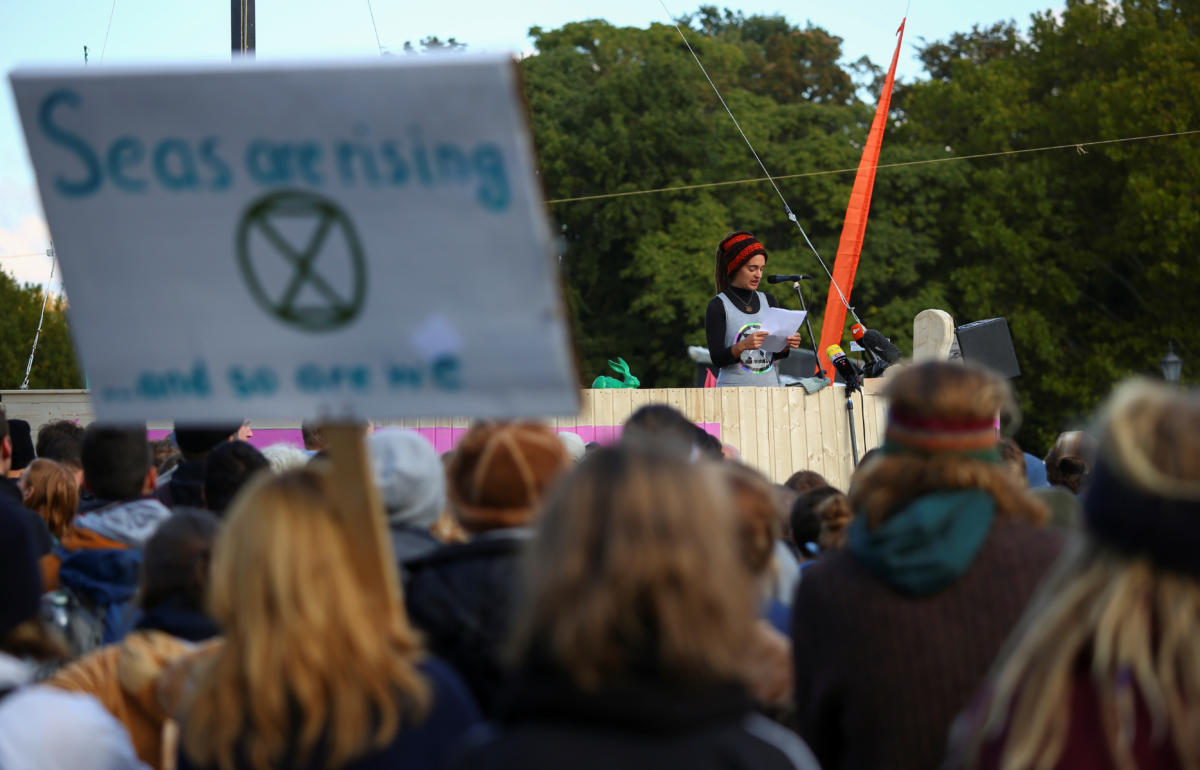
1144 497
920 434
500 472
738 248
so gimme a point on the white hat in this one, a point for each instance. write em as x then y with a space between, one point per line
574 444
409 475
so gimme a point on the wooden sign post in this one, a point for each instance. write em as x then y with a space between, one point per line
359 502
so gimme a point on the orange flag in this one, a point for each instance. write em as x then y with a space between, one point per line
855 226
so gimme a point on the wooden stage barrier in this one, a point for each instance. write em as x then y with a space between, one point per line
777 430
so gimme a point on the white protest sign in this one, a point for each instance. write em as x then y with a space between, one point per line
280 241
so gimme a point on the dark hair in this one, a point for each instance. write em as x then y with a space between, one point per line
195 441
868 455
3 422
833 517
175 560
802 481
61 434
314 437
226 471
804 522
64 450
661 424
115 460
710 445
22 443
1069 462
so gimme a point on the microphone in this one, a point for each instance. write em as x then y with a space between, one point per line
782 278
844 367
879 346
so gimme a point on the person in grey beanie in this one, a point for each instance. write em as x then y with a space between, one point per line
412 485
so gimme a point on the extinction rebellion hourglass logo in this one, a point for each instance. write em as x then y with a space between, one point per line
302 260
754 361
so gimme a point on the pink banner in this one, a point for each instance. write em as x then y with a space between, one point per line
443 439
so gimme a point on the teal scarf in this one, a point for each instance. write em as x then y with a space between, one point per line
928 544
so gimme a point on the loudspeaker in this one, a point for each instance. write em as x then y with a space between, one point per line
989 343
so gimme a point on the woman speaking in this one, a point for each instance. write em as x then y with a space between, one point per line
733 320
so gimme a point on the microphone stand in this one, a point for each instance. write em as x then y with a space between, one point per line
808 324
850 416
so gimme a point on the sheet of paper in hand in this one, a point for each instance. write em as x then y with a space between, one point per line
284 240
779 324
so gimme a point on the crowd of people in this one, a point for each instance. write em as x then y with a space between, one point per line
529 602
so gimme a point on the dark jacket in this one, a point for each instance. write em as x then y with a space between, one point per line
550 724
12 500
462 597
185 486
410 543
425 746
881 675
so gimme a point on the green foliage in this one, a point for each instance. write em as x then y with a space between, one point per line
620 109
55 365
1090 254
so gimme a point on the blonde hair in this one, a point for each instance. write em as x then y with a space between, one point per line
948 392
303 637
53 493
1137 621
636 563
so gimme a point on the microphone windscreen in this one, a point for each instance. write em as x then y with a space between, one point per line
880 346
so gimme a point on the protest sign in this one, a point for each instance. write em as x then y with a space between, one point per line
255 240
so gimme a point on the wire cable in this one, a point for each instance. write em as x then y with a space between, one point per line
372 12
104 47
37 336
1077 146
787 208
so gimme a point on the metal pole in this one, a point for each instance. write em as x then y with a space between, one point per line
816 356
850 417
241 25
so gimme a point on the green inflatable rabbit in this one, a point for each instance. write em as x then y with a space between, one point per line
627 380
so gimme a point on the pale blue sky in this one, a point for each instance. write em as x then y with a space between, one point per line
55 31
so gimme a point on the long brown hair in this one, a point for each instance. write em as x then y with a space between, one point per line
636 565
1131 618
53 493
303 637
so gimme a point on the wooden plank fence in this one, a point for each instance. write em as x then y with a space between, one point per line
777 430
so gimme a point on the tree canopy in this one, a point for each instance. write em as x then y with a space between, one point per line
1089 252
55 365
